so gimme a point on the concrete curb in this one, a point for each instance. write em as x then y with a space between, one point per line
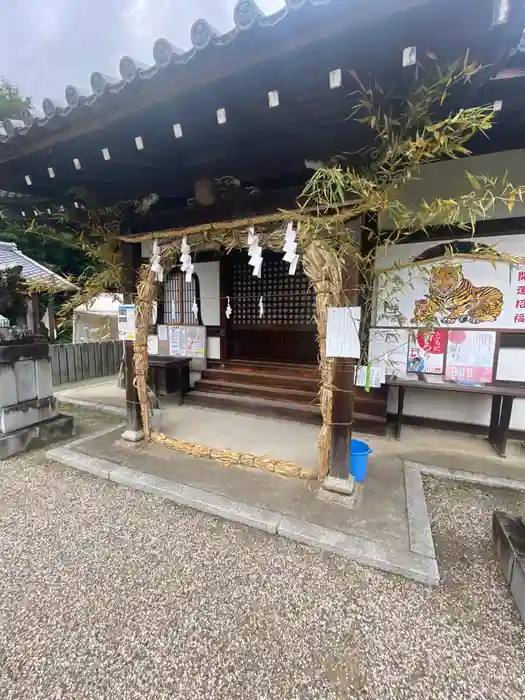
419 531
412 564
469 477
363 551
98 407
418 563
205 501
76 460
98 434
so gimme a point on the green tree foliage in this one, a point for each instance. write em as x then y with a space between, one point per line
11 101
58 250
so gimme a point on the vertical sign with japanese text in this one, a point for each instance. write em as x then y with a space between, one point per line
519 304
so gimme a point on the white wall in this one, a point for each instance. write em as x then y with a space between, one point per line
209 281
447 179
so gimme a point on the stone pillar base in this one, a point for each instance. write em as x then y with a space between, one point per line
508 536
133 435
343 492
60 427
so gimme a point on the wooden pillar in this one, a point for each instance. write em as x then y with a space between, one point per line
343 381
51 320
131 260
368 247
33 314
224 287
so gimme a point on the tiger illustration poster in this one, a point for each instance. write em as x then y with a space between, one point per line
452 298
451 284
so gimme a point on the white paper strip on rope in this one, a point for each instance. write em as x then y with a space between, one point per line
185 260
255 252
342 332
195 310
409 56
156 265
290 248
261 308
257 268
228 311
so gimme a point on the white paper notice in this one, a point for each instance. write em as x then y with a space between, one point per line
389 347
153 345
162 332
342 332
376 376
195 341
177 336
126 322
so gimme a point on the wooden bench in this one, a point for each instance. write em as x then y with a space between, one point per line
502 401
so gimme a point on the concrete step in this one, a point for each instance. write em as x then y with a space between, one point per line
260 390
266 379
286 368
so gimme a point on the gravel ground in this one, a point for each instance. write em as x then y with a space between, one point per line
110 593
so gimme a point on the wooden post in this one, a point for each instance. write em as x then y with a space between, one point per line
224 286
131 260
33 314
51 321
343 382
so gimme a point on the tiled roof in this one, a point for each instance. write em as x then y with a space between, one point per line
32 271
247 15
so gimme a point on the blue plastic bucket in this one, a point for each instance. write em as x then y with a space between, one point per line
359 452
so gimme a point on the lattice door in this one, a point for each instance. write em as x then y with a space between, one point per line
287 299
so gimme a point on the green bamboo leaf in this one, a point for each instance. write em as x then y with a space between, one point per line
473 180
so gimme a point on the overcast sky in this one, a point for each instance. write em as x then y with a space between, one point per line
47 44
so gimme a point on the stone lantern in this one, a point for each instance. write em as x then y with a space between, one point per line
28 410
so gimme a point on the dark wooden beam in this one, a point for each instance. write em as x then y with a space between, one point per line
239 205
131 262
488 227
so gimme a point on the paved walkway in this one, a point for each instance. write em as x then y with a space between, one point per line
292 441
107 592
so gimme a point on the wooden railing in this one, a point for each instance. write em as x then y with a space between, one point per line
73 362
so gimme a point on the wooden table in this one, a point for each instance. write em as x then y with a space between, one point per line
502 401
169 375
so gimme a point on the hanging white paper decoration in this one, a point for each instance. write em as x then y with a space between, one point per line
195 310
290 248
261 308
185 259
228 308
409 56
156 264
255 252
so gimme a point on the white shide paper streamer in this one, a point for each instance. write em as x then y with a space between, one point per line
156 264
290 248
255 252
185 260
